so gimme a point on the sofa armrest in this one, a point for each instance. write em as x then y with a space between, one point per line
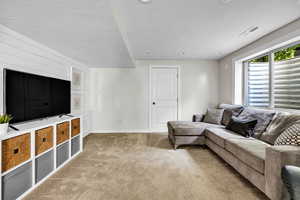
198 117
276 158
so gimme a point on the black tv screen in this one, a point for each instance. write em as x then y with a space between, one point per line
29 96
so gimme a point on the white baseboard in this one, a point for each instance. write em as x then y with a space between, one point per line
86 135
128 131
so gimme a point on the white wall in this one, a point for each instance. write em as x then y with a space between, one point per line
287 34
23 54
118 98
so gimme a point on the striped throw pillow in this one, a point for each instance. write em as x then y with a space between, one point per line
290 136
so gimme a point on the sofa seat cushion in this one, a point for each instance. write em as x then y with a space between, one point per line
219 135
187 128
251 151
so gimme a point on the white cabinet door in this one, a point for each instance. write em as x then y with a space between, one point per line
164 96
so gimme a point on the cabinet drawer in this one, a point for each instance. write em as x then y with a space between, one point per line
43 140
44 165
16 182
75 145
15 151
62 132
62 154
75 127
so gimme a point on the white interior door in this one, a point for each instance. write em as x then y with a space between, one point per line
164 96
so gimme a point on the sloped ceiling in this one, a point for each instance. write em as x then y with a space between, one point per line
84 30
113 33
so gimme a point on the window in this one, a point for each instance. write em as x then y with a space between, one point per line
273 80
258 82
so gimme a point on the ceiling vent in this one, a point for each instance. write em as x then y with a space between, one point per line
249 30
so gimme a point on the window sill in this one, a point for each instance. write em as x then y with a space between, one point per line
292 111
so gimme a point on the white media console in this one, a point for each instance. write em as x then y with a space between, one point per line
32 154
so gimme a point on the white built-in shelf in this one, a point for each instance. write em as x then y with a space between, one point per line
31 128
35 125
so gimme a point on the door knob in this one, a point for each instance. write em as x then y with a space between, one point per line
153 103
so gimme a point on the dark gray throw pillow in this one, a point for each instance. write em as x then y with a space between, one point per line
263 117
230 111
242 127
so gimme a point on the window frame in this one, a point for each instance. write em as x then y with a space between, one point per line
271 55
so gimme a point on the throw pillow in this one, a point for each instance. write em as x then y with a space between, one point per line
263 118
213 116
198 117
291 136
280 123
230 111
242 127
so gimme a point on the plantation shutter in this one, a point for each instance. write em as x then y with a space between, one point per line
287 84
258 84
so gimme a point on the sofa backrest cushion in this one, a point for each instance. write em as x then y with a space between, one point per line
229 112
280 123
213 116
263 117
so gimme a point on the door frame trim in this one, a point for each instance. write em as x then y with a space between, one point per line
179 92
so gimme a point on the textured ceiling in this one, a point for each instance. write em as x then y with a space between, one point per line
103 33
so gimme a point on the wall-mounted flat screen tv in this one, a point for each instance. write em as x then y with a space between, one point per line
28 96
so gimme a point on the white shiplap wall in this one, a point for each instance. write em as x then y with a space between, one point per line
23 54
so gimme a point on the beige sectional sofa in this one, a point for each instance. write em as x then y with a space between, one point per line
256 160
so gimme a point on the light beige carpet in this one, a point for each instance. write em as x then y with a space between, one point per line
144 167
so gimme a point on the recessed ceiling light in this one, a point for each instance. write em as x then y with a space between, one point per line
145 1
226 1
180 53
